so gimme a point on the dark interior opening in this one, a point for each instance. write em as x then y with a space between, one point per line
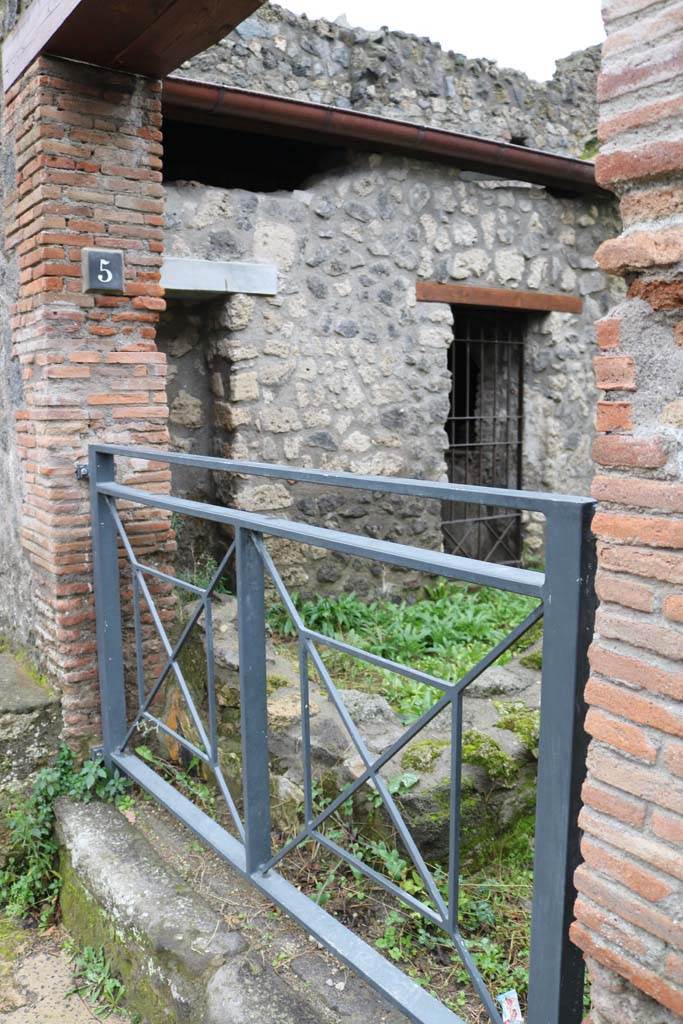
227 158
484 430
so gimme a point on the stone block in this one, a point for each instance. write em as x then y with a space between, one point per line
155 907
30 723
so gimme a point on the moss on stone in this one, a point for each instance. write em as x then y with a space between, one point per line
192 660
532 660
422 755
276 682
27 661
12 939
485 752
525 722
89 925
591 149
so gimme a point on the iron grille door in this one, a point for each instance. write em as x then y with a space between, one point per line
484 428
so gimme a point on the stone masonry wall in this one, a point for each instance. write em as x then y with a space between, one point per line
85 152
629 906
343 369
398 75
15 569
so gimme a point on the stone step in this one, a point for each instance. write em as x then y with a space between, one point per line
193 942
30 722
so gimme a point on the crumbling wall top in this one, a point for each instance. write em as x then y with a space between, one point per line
398 75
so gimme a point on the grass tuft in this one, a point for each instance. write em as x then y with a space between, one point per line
445 634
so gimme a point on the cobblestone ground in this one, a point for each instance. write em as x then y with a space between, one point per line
35 978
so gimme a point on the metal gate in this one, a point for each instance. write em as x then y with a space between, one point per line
484 430
565 594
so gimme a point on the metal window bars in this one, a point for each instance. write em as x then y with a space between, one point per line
485 429
565 591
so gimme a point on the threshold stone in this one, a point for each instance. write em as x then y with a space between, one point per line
180 960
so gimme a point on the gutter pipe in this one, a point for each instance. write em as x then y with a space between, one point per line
187 100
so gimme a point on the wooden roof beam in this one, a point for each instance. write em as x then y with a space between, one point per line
143 37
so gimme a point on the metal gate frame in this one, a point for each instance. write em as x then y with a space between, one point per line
567 603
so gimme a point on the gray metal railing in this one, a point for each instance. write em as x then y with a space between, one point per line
565 592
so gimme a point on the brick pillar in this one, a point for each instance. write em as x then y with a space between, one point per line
629 905
87 155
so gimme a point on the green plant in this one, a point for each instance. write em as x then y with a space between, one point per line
445 634
202 568
187 780
494 900
532 637
493 916
30 882
590 149
93 979
420 757
534 659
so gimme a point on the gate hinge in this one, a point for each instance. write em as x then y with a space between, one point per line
81 471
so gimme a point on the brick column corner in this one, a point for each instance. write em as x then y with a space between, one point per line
87 172
628 911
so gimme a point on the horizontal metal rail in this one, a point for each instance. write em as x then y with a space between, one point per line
532 501
520 581
564 593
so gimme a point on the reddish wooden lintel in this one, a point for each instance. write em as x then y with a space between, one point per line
499 298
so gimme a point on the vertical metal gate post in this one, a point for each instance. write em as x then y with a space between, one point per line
251 619
557 971
101 469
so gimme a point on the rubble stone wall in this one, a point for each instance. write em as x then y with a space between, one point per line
399 75
344 369
15 574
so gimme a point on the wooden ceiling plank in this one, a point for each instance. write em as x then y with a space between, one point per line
31 34
498 298
163 46
143 37
81 33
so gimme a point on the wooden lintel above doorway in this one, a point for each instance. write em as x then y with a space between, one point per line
498 298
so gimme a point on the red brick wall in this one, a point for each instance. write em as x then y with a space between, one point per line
628 913
87 152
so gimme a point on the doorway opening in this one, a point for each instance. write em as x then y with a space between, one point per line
485 431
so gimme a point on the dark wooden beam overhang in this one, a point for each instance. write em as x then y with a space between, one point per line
144 37
244 110
498 298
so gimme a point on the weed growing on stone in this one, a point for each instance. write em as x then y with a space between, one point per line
29 881
186 780
200 574
494 907
93 979
445 634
